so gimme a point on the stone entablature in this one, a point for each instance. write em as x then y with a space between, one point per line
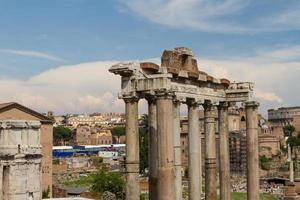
20 141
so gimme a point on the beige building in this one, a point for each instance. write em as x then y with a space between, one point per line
15 111
296 122
101 137
82 135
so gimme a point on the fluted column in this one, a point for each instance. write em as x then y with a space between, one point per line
177 150
210 152
166 175
132 149
194 154
252 150
224 160
153 148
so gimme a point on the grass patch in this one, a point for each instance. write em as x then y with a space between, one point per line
243 196
84 181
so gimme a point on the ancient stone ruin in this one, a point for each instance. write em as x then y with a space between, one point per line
20 160
178 81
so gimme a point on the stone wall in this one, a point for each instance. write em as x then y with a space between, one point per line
20 160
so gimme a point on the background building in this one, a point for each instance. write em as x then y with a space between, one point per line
283 116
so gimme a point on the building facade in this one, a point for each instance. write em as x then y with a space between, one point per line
284 115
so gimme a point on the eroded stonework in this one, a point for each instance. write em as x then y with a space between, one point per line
20 160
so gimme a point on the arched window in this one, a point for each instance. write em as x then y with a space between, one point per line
243 119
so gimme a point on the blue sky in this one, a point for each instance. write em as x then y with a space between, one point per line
231 37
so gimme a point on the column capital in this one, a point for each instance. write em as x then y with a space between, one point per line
253 104
131 99
193 103
208 106
223 105
164 95
151 99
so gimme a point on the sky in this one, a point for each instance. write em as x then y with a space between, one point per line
55 54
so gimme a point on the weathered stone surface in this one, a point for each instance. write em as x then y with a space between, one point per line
20 164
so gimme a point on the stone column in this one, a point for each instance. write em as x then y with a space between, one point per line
194 154
1 181
166 175
177 150
291 164
210 152
132 149
224 161
153 148
252 150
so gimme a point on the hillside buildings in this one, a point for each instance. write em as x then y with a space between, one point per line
96 119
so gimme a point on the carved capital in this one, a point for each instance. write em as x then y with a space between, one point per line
193 103
251 104
164 95
223 105
131 99
209 106
151 99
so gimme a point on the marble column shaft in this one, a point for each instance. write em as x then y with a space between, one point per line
224 160
166 172
252 150
194 154
132 149
210 153
153 149
177 150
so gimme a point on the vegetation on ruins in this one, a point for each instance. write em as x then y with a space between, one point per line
109 181
288 130
265 163
61 135
144 143
118 131
45 193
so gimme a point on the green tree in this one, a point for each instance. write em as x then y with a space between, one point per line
288 130
61 135
109 181
118 132
144 143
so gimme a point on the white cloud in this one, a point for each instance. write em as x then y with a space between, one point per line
34 54
89 87
233 16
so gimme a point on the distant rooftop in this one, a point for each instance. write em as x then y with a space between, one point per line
286 108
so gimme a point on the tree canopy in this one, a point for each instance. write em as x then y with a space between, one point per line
144 143
108 181
288 130
61 135
118 131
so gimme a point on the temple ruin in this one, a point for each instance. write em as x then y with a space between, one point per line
178 81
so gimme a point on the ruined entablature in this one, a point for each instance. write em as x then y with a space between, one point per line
179 75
